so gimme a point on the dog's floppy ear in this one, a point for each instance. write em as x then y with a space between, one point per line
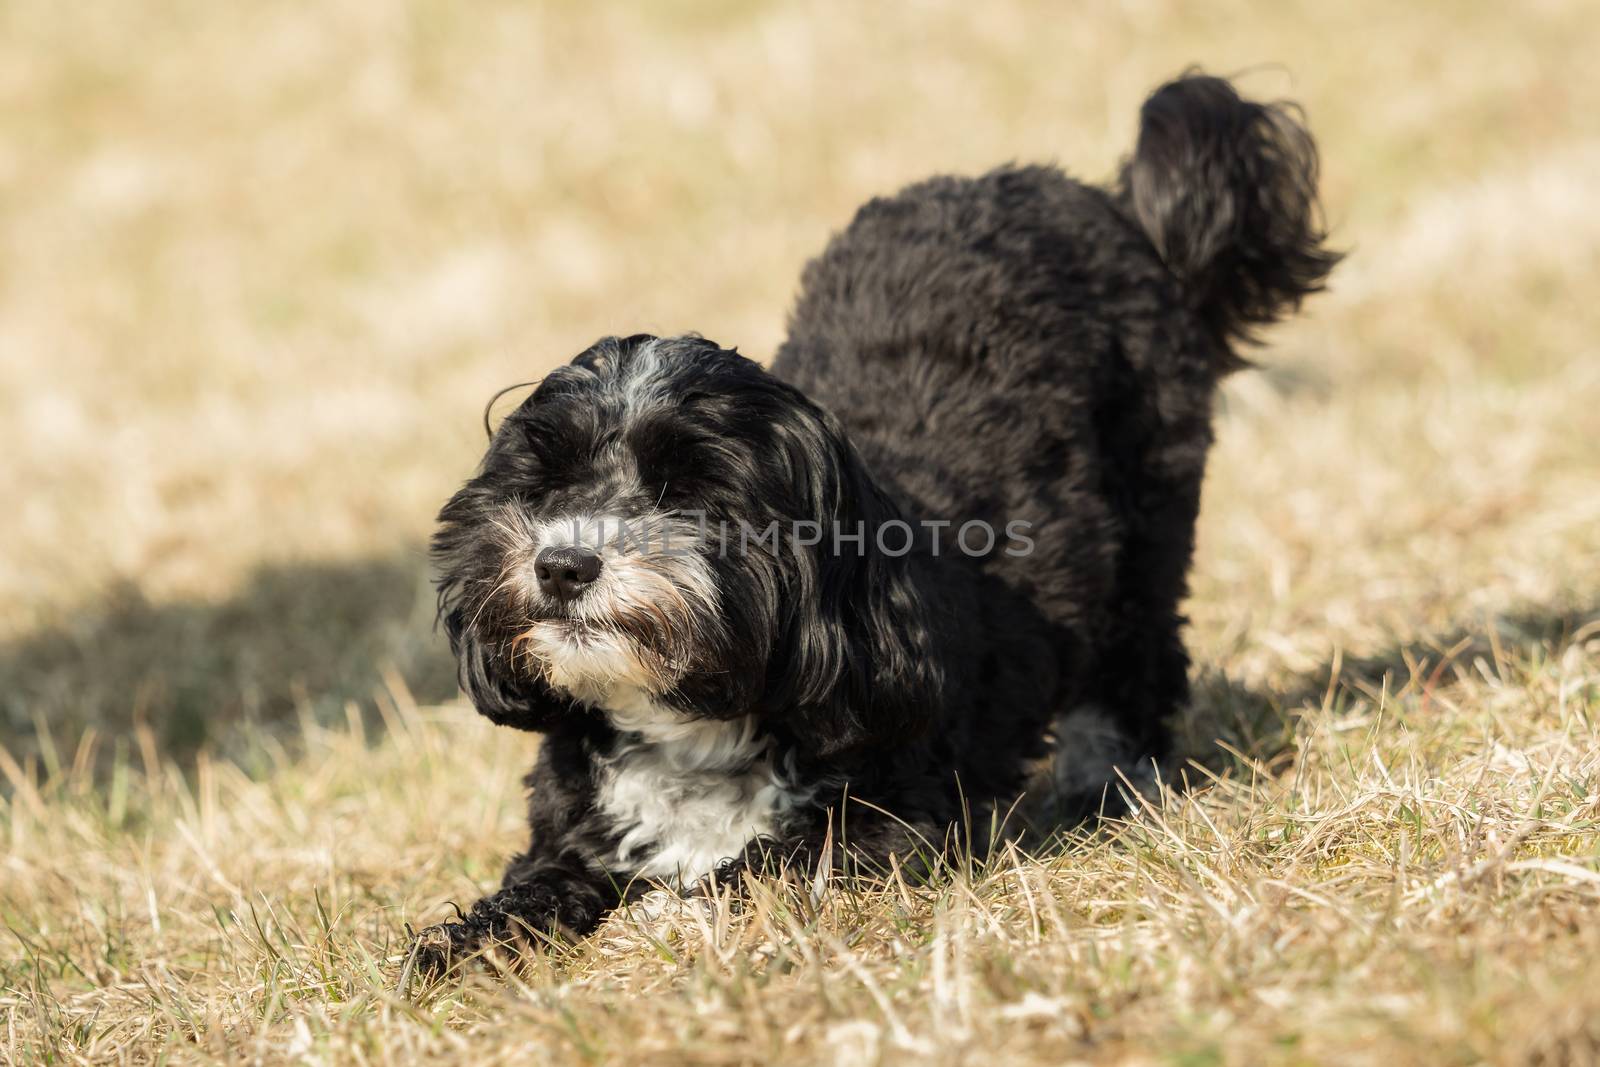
466 559
504 697
853 666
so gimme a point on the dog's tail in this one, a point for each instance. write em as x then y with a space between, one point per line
1226 188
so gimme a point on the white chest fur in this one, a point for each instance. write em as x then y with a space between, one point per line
687 793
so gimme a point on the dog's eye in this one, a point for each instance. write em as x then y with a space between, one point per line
553 448
672 468
666 454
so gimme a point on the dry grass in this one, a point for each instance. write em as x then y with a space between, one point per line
259 267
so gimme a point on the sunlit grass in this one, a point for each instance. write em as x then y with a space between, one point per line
1414 881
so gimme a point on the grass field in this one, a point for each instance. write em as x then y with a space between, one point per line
262 264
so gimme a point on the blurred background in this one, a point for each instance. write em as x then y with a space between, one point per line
261 266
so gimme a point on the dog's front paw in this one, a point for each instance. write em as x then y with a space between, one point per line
442 948
728 874
515 918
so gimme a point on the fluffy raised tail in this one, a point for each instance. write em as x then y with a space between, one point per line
1226 188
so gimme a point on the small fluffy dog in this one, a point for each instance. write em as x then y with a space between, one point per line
834 609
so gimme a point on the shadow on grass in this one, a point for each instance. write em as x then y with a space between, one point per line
1232 727
1261 723
304 640
295 640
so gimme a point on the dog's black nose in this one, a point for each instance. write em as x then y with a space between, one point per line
563 572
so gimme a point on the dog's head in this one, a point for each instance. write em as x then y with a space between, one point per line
654 528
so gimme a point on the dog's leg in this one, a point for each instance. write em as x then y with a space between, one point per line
1141 668
540 897
558 886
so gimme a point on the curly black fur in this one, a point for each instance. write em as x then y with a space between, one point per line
1017 349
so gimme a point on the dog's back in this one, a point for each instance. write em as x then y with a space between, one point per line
1024 348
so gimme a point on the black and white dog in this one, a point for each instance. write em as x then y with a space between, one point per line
859 597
